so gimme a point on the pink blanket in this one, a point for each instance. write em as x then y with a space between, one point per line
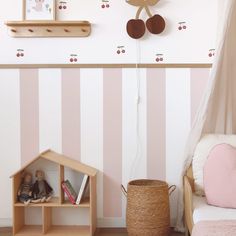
215 228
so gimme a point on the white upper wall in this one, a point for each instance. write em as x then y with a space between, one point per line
109 31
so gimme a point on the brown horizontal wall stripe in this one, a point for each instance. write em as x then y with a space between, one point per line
186 65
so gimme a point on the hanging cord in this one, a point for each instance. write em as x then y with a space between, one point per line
138 153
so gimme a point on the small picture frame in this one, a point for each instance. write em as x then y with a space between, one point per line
39 10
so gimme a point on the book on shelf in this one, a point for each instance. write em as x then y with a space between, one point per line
69 190
83 188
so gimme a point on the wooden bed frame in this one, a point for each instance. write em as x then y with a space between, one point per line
188 200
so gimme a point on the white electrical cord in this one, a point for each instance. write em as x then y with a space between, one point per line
138 154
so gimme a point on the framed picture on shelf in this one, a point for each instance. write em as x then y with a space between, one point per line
39 10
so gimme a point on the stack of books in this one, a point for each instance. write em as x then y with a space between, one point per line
73 197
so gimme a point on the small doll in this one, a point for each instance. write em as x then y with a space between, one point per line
25 192
42 190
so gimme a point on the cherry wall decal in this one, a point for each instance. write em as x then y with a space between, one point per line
211 53
105 4
182 26
73 58
120 50
62 5
159 57
136 27
20 53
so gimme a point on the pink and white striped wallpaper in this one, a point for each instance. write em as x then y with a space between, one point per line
126 123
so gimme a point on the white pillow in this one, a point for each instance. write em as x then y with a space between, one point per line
201 154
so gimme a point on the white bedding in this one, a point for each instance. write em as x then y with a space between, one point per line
204 212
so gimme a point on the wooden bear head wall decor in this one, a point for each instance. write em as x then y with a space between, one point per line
136 27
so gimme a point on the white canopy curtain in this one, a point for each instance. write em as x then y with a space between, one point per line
217 112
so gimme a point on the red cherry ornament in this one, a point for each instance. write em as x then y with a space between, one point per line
156 24
136 28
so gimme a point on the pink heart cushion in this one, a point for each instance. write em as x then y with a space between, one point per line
220 176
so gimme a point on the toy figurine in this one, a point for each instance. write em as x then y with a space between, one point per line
42 190
25 192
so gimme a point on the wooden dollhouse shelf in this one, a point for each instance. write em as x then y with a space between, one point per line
38 29
47 211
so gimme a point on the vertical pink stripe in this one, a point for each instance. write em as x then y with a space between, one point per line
112 141
71 113
199 79
156 124
29 108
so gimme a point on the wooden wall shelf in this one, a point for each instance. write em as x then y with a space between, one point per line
38 29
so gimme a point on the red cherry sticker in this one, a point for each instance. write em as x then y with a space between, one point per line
157 60
18 54
123 51
60 7
107 6
71 60
103 6
210 55
75 60
180 28
184 27
22 54
161 59
64 7
118 52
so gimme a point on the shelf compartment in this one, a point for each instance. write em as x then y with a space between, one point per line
56 221
31 230
69 230
29 221
38 29
70 216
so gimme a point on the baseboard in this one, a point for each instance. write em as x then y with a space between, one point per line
5 222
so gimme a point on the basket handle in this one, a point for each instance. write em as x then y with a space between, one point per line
172 188
124 191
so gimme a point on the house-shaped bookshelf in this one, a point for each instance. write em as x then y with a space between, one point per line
58 217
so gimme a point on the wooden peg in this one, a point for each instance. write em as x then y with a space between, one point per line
30 30
13 30
66 30
49 31
84 30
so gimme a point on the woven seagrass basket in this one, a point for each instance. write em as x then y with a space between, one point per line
148 211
